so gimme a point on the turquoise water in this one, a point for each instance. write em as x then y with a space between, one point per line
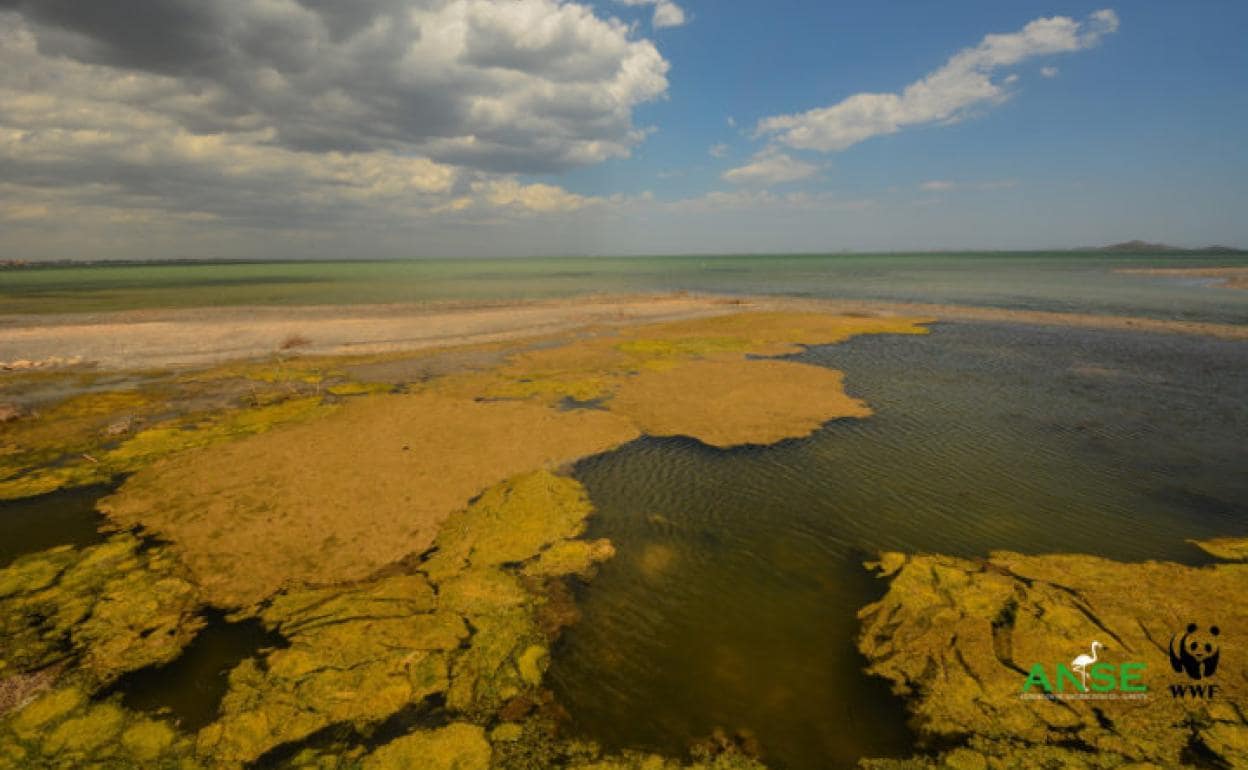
1036 281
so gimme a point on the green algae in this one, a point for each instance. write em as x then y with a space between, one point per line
356 655
77 453
109 608
359 388
458 746
956 637
1225 548
469 631
510 522
470 625
465 627
64 728
695 378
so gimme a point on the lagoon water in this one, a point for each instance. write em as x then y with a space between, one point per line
1062 281
731 602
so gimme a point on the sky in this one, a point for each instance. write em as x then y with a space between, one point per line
152 129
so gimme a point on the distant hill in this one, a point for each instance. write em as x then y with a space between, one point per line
1144 247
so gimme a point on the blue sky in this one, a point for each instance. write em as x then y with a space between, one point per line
1147 128
482 127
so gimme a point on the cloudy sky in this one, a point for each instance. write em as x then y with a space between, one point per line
397 128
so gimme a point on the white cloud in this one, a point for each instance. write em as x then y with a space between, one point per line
944 95
1048 72
532 87
945 185
541 198
132 150
732 122
718 150
769 168
666 12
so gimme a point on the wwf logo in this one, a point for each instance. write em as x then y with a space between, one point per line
1195 653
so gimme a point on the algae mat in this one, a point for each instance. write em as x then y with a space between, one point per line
959 638
728 403
336 499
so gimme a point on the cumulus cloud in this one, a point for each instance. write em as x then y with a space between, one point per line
965 81
666 12
1048 72
718 150
769 168
532 86
288 114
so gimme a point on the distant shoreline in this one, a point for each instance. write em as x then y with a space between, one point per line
1130 249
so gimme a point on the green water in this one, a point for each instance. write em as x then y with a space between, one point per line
731 601
1045 281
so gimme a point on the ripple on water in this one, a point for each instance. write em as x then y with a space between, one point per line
732 599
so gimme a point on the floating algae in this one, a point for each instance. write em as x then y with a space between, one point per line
355 656
111 608
338 498
957 638
64 728
1225 548
466 628
728 403
311 519
73 620
47 454
693 378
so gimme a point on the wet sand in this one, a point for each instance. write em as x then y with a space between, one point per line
147 339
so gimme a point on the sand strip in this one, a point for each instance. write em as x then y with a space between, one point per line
145 339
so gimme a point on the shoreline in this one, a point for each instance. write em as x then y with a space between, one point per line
191 337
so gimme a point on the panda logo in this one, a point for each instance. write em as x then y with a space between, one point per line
1195 654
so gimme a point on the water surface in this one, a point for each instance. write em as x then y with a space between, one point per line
1082 282
731 602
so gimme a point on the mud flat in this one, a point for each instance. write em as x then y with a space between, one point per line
404 529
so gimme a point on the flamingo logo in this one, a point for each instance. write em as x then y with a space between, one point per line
1081 664
1088 675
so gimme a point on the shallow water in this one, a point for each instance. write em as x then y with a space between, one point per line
731 602
1081 282
64 517
190 687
